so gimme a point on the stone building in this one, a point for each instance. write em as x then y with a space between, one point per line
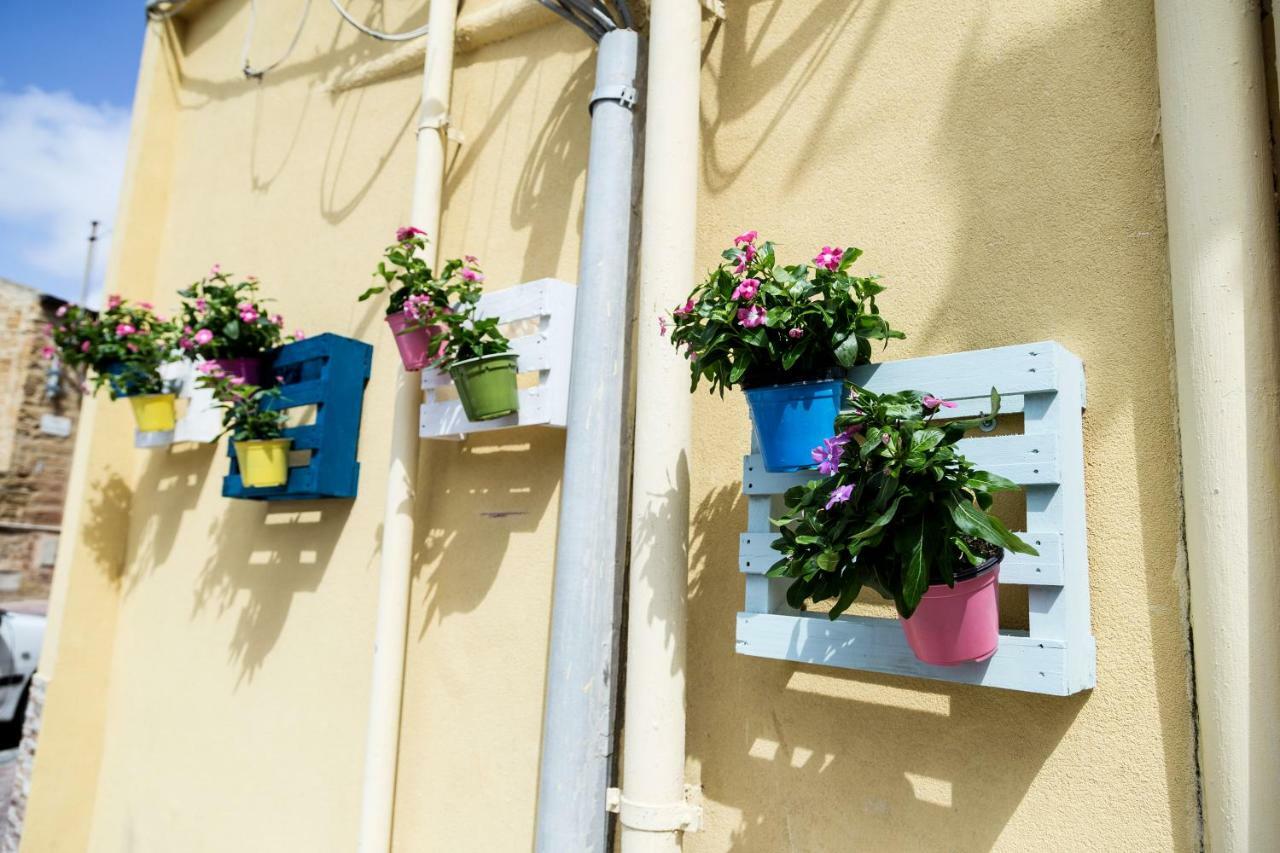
39 405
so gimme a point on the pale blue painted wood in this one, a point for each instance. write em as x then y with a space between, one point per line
1045 383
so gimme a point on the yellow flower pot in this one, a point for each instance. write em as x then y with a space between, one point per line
154 412
264 462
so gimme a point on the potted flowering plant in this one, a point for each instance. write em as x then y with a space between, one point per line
257 429
786 335
122 347
225 322
480 361
420 298
901 511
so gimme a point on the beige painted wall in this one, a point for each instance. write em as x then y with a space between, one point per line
996 161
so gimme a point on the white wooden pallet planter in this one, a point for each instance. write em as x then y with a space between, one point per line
1056 655
544 350
199 419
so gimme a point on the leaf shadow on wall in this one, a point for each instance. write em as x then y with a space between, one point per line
262 555
171 482
801 735
105 531
469 527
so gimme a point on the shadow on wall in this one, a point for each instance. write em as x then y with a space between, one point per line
262 554
175 478
105 530
469 528
812 757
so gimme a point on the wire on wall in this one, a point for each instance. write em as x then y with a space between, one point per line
258 73
378 34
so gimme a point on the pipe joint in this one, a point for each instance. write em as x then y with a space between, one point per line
684 816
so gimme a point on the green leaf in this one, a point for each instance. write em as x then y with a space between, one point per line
847 596
979 524
847 351
915 574
828 560
881 520
232 330
373 291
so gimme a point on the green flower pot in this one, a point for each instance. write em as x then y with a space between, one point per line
487 386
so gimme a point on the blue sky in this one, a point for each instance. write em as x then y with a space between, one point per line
67 74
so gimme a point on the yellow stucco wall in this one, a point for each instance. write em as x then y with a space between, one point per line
998 164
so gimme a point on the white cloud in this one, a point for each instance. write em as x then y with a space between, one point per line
61 165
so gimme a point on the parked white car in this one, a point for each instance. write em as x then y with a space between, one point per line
21 635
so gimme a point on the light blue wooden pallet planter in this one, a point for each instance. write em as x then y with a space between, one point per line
329 372
1056 655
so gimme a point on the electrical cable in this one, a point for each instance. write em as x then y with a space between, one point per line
378 34
590 11
162 10
258 73
628 20
572 19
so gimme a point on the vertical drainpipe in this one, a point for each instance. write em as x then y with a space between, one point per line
578 723
382 737
652 809
1223 274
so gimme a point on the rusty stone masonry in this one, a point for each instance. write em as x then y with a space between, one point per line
35 455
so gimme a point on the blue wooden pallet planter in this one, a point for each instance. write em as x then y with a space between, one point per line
329 372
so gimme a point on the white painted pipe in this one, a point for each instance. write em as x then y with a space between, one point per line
382 737
653 800
1223 273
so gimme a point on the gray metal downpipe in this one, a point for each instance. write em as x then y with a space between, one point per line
577 729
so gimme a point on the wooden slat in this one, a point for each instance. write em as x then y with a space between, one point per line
531 354
878 645
1025 459
755 557
1021 369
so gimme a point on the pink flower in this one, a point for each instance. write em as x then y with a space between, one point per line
751 317
202 305
687 308
113 301
185 343
471 259
146 306
131 347
472 275
251 278
124 330
408 233
747 290
248 313
278 320
662 326
186 330
829 258
795 333
298 335
210 368
418 307
931 402
745 238
203 337
47 352
236 380
828 454
746 256
215 270
691 352
61 312
839 495
84 346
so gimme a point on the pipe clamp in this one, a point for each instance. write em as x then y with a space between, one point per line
624 95
684 816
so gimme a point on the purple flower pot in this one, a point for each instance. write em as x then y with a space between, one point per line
414 344
251 369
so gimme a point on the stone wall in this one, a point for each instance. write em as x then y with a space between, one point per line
35 455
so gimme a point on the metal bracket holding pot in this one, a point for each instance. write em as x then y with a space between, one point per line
1056 655
538 318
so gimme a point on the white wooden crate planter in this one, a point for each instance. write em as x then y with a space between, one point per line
200 421
544 350
1056 655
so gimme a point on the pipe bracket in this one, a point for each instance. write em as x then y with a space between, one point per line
441 123
684 816
624 95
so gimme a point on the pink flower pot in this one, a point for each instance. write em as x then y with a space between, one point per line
957 625
415 344
250 369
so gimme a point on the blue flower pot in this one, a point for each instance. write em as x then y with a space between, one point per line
123 380
791 420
